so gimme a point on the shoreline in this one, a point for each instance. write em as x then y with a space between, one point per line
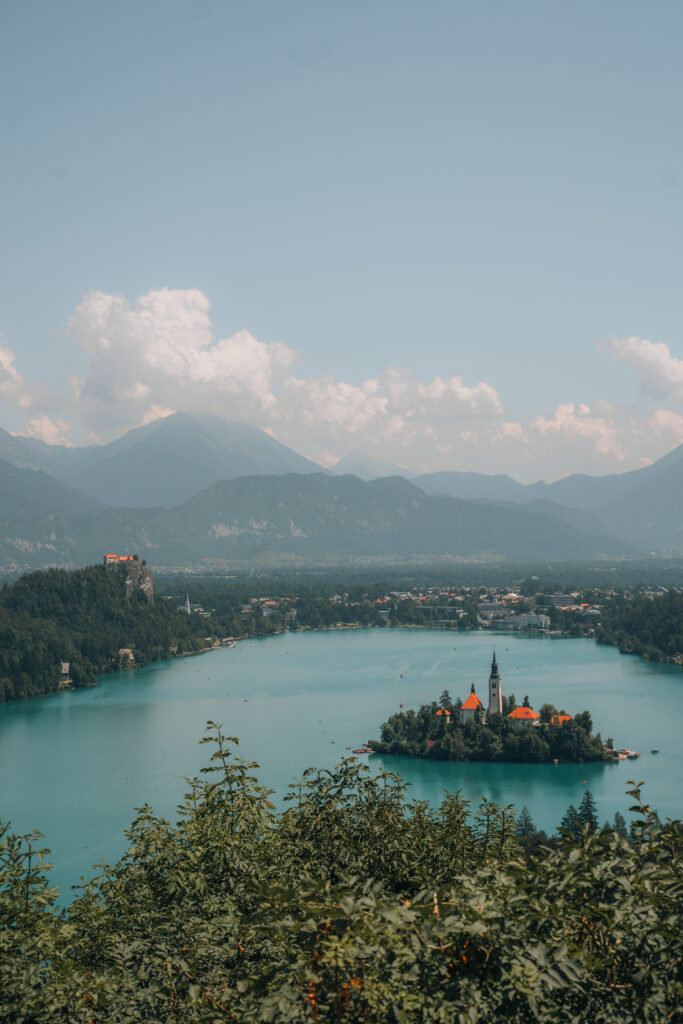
339 627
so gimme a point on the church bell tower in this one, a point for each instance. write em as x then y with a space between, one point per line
495 690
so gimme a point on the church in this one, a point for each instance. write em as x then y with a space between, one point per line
520 717
474 704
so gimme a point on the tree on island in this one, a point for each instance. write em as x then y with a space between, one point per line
585 721
435 731
547 711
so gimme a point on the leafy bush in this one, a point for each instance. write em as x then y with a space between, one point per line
351 905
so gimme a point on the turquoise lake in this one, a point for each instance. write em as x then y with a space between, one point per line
76 765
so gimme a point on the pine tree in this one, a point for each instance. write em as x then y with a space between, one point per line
525 824
588 812
619 824
571 823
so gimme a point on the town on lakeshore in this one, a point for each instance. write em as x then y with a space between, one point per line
609 614
68 646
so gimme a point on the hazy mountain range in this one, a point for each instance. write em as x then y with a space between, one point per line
163 463
644 506
191 490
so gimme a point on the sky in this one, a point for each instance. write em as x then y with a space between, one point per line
445 234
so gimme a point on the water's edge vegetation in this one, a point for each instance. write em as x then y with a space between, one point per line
353 904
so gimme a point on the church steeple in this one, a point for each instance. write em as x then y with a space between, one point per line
495 689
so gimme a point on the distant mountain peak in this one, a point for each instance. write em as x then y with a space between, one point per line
165 462
369 468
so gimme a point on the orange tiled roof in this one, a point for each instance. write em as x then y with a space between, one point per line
560 719
524 713
472 703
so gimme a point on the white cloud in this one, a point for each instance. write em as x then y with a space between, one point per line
160 353
157 412
340 409
325 459
663 427
453 397
512 430
437 397
49 431
660 374
12 387
577 422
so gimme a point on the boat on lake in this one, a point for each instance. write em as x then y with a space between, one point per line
363 750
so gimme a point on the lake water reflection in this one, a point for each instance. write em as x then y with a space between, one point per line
76 765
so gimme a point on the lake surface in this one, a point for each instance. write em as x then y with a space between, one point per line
76 765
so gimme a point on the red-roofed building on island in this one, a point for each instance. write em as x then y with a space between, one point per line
524 716
473 704
470 708
473 709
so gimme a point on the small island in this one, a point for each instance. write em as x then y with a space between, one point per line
456 730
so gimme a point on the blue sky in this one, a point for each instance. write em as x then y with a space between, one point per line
485 198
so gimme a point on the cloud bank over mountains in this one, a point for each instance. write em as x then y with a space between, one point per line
160 354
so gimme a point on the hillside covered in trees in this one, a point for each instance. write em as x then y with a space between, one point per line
351 905
84 618
649 626
431 733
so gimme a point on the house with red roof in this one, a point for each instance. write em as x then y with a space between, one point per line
560 719
524 716
470 708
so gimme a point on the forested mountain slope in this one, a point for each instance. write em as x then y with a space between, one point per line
32 493
84 618
643 507
309 517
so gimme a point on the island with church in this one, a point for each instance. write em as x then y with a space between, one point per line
457 730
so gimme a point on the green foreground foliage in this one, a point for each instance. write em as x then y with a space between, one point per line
351 905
